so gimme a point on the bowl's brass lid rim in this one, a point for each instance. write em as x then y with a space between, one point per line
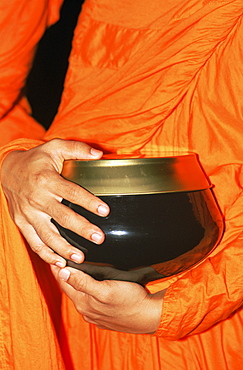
138 175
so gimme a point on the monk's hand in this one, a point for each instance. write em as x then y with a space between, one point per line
111 304
34 190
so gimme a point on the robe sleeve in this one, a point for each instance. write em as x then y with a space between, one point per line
22 24
212 291
205 295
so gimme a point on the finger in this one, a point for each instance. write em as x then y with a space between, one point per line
57 188
73 193
78 298
84 283
50 236
44 238
74 150
71 220
70 149
66 288
55 270
37 245
71 292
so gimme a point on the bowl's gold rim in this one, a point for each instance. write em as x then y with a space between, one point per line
125 176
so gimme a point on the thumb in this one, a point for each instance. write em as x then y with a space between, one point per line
80 281
62 150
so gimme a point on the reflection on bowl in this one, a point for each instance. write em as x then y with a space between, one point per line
163 218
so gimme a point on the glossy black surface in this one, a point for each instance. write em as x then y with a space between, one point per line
144 230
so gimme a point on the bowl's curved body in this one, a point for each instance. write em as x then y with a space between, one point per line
163 218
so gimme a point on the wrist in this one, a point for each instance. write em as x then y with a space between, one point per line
155 311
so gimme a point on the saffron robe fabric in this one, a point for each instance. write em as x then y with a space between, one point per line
143 77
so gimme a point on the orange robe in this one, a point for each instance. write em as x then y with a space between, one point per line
143 76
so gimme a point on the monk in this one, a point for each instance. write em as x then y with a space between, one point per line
143 77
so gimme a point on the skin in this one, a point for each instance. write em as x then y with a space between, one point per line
110 304
34 190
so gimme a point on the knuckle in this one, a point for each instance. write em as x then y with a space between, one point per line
73 192
77 194
38 248
47 237
85 228
18 219
107 296
43 252
42 178
64 218
53 143
88 319
80 281
33 202
80 146
91 203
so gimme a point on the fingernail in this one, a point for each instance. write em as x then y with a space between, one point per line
103 210
95 152
96 237
60 264
76 258
64 274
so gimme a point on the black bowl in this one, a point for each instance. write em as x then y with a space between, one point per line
165 221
